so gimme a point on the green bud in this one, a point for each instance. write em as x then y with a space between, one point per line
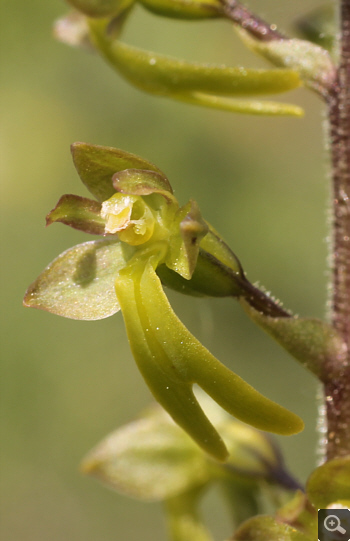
330 483
150 459
265 528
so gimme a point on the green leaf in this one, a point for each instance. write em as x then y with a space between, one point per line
79 283
330 483
310 341
265 528
150 459
184 9
313 63
78 212
96 166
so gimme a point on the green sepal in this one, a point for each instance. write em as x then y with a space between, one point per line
330 483
96 166
79 283
78 212
313 63
100 8
218 272
185 9
150 459
310 341
200 84
209 279
266 528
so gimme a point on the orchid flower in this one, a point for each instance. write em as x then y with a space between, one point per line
148 238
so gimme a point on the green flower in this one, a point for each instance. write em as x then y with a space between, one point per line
146 231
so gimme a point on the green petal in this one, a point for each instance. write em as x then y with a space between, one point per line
78 212
142 182
218 272
150 459
330 483
96 166
310 341
79 284
195 364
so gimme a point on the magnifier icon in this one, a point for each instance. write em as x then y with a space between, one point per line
332 524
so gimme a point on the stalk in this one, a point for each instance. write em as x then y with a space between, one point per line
337 382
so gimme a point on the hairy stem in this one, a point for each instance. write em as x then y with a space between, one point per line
257 27
337 384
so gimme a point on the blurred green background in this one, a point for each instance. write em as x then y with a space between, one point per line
260 181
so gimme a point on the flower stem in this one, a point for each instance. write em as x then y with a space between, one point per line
256 26
337 383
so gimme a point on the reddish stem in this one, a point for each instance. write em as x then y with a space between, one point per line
337 384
